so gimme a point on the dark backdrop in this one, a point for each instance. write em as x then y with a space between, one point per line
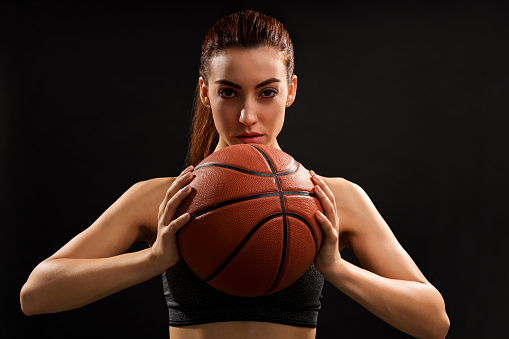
407 100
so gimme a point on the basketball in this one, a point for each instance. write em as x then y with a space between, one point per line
252 230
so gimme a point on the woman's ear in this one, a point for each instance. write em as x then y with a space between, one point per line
292 91
204 92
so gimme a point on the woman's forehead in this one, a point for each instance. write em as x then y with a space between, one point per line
248 65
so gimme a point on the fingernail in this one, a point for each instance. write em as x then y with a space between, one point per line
186 188
187 175
319 189
312 173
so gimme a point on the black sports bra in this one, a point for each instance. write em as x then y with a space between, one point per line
191 301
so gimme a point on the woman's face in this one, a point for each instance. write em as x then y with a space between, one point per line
248 92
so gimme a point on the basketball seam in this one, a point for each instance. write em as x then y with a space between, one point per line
241 245
251 197
251 233
260 174
274 174
285 223
301 218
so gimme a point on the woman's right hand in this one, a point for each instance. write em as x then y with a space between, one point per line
165 247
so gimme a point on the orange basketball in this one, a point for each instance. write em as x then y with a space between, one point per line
252 230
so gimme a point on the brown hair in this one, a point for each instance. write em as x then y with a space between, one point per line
248 29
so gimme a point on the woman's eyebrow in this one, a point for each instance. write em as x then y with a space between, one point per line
227 83
234 85
266 82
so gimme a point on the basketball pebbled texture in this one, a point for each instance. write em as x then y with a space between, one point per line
252 230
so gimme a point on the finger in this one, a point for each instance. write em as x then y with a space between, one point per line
178 223
182 179
180 182
328 229
327 204
171 230
318 181
188 169
173 203
165 200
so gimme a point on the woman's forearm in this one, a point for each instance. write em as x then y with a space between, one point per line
413 307
62 284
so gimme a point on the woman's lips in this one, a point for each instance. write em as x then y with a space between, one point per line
255 139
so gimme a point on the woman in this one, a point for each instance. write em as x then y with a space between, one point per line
246 83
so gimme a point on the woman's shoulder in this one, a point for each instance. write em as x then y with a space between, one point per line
145 196
148 191
352 202
341 186
347 193
152 186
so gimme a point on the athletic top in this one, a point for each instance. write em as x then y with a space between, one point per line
191 301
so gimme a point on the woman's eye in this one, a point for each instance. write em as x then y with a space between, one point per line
227 93
268 93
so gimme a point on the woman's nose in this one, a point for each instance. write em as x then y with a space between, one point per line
248 115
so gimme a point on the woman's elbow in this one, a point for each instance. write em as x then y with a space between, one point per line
440 321
27 301
442 327
439 327
31 296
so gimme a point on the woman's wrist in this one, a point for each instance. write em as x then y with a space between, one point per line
156 262
335 271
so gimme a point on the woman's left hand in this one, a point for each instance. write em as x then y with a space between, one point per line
329 255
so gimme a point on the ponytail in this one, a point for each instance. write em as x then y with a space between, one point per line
204 136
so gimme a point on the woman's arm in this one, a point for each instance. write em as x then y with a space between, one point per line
390 285
61 284
94 264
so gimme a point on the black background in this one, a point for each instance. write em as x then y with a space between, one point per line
407 100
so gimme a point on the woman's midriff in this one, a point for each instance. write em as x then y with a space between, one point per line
241 329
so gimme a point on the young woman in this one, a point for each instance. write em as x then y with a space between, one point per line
246 83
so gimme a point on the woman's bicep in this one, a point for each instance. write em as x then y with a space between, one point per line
371 239
124 223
